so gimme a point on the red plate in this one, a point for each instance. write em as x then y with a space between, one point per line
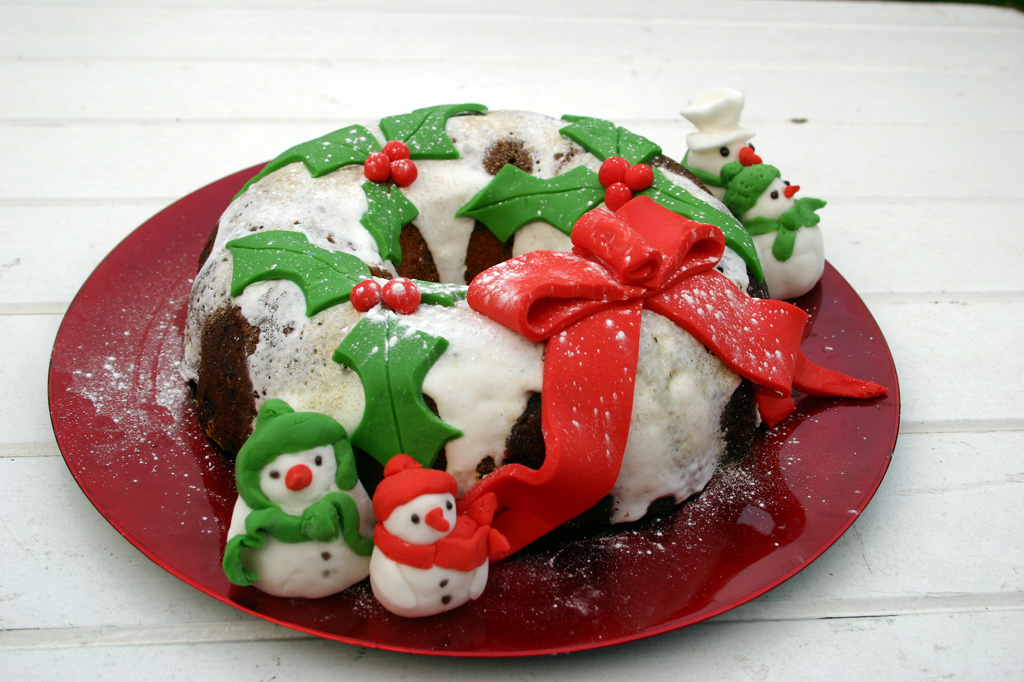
123 420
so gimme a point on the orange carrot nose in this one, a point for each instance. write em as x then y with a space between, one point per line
748 157
437 521
298 477
791 190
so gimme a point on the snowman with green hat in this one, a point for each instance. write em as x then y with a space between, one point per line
720 139
302 522
785 230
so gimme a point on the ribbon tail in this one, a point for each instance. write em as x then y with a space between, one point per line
772 407
587 407
811 379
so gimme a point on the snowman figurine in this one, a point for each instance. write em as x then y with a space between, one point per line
720 139
302 521
785 230
426 558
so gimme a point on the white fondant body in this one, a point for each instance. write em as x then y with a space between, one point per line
309 569
302 569
416 592
800 272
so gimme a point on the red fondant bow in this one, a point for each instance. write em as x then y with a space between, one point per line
588 303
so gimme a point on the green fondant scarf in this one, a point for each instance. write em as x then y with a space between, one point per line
801 215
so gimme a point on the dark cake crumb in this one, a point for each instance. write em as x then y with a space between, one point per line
525 444
507 151
417 261
208 247
484 251
224 392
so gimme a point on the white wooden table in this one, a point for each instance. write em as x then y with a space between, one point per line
110 110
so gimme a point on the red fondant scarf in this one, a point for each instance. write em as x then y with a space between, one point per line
469 544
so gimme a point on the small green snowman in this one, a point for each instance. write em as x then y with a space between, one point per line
302 521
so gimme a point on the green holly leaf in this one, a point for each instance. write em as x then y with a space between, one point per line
324 154
514 198
604 139
676 199
423 130
446 295
389 211
325 277
392 359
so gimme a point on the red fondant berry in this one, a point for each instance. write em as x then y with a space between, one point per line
401 295
403 172
377 167
616 196
396 149
639 177
612 170
365 295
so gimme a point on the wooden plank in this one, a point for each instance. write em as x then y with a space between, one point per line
951 354
214 33
649 87
980 646
25 344
169 160
867 16
49 252
898 247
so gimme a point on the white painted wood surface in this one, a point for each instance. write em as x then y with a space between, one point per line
111 109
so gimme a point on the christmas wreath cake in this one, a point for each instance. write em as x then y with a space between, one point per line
554 313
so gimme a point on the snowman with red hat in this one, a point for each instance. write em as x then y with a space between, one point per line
785 230
426 558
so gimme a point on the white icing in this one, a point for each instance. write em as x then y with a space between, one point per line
540 236
675 437
481 383
304 569
297 366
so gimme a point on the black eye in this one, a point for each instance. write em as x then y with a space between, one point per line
786 182
275 474
448 504
415 518
751 147
319 460
724 151
775 194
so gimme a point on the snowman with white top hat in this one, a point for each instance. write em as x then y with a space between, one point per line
719 139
